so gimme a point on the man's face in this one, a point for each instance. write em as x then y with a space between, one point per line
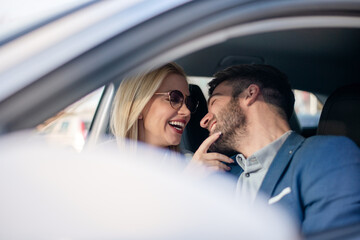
226 116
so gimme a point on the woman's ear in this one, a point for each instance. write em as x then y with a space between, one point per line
252 93
140 116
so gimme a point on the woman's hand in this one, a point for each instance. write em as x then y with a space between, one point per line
211 161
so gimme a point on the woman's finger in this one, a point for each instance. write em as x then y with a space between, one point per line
203 148
217 165
216 156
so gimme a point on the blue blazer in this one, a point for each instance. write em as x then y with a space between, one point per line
317 180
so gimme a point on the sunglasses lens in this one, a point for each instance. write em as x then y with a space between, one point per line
191 104
176 99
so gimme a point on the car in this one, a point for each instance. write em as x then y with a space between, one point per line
47 67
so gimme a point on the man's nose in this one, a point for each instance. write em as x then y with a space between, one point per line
204 123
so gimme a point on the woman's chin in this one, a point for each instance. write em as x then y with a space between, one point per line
174 141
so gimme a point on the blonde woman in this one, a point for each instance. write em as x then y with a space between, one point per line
155 108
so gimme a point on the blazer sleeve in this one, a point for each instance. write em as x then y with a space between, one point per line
330 183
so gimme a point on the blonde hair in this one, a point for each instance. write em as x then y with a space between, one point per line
131 98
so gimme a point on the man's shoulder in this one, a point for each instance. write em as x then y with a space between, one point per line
319 143
330 143
332 150
330 138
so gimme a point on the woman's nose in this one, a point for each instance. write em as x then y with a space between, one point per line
206 120
184 110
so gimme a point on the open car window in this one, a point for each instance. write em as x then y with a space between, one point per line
307 108
70 126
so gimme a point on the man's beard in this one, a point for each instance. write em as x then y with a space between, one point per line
231 122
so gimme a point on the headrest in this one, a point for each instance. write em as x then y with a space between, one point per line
294 123
341 113
193 134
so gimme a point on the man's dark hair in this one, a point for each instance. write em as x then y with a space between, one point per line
273 84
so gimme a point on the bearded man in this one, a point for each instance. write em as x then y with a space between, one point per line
315 179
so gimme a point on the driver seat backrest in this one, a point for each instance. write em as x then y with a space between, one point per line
341 113
193 134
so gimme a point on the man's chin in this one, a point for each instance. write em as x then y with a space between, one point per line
216 147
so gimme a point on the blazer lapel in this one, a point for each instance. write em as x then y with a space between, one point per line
281 160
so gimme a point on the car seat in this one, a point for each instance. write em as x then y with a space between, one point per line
294 123
341 113
193 134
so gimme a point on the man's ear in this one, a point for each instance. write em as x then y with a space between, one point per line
252 93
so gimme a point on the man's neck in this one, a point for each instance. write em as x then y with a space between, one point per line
260 133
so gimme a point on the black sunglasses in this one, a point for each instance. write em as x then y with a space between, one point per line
176 99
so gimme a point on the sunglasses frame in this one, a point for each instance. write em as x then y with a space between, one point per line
184 100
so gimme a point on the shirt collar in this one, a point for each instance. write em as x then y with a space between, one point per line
263 157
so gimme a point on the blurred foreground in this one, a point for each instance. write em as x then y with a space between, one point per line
106 193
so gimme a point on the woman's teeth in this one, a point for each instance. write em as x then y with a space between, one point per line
177 125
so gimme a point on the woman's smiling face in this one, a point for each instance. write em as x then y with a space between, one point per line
159 123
